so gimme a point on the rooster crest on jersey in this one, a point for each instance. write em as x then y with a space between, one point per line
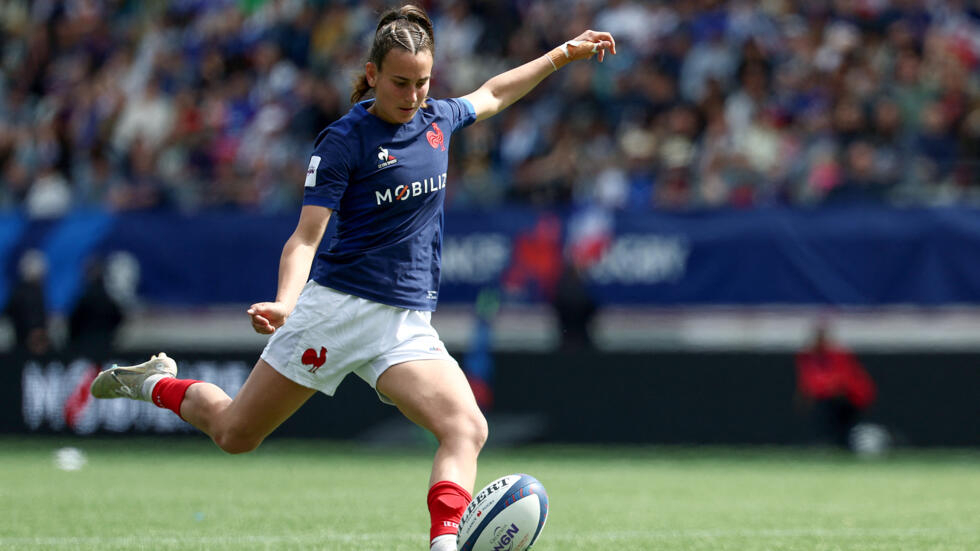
435 137
507 515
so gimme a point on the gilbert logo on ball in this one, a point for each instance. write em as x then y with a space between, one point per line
507 515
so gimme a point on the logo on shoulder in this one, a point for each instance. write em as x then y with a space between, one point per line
386 158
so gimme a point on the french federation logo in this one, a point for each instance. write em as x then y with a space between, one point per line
313 360
386 158
435 137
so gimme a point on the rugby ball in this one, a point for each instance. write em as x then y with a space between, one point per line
507 515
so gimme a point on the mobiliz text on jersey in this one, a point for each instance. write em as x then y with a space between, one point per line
403 192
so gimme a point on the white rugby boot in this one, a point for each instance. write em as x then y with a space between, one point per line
445 542
130 381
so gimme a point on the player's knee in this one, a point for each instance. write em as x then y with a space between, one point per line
236 442
482 431
473 429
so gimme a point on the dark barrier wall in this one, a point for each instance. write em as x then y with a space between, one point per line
925 399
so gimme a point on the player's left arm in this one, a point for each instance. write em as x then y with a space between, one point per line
506 88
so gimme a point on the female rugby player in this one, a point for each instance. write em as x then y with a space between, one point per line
366 309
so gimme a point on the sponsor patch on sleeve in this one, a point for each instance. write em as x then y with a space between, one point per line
311 172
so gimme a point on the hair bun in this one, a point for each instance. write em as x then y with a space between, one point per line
418 16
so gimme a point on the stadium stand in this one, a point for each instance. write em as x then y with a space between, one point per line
191 105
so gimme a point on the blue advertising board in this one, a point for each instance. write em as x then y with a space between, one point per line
859 257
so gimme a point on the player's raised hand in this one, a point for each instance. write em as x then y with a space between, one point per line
583 46
267 316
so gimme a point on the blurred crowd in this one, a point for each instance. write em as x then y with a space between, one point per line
193 104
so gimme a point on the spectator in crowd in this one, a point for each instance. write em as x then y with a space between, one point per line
26 308
575 308
478 362
96 316
861 183
190 105
832 388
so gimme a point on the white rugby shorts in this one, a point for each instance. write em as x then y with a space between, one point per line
330 334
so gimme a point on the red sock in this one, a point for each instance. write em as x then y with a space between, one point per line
169 392
447 501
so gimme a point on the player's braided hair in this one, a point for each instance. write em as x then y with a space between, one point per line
408 28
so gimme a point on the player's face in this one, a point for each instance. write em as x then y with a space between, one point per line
400 85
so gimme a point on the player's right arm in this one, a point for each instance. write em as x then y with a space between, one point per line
294 269
504 89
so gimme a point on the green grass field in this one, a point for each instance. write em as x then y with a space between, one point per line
138 493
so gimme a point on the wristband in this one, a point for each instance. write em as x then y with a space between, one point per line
550 60
557 58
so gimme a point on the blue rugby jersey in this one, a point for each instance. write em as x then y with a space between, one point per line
386 184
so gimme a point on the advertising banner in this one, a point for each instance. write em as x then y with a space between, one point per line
852 257
923 399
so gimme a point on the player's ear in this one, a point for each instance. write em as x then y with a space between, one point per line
371 71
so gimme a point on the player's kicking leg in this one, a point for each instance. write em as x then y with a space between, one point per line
135 381
436 396
265 400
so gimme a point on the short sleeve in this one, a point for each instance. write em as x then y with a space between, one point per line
328 174
460 111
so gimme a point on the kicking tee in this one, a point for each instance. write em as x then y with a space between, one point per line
386 184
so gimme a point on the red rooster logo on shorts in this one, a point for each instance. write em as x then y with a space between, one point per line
436 138
311 359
